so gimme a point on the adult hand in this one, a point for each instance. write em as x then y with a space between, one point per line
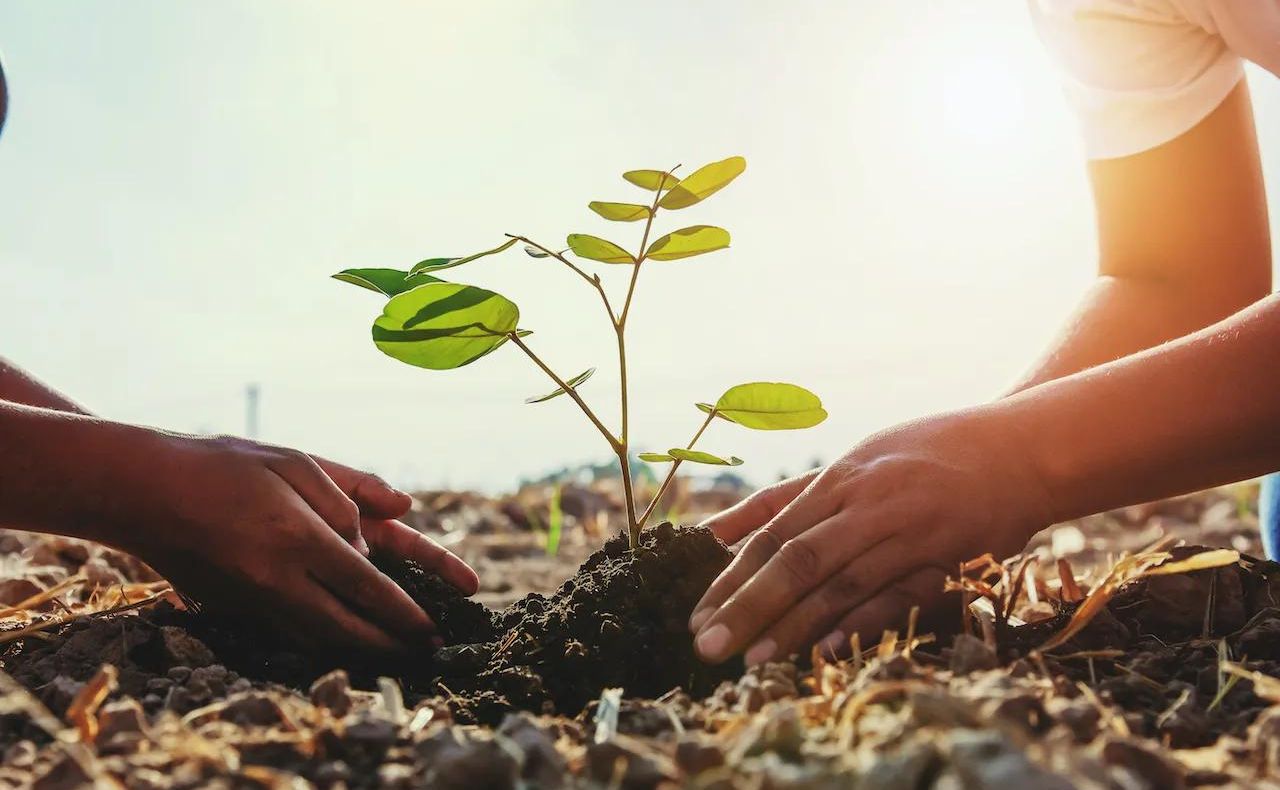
278 535
852 547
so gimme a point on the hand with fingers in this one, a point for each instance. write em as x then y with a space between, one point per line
851 547
284 537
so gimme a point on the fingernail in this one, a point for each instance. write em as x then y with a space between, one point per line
361 545
699 617
712 643
760 652
832 644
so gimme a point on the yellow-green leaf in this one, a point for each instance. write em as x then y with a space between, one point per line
652 180
573 385
703 182
687 242
619 212
444 325
699 457
769 406
597 249
655 458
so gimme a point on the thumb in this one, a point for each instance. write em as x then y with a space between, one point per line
735 523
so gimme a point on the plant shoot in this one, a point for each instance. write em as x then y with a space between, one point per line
440 325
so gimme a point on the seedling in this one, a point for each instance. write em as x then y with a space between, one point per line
441 325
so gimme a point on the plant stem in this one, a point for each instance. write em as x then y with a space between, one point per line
570 391
594 282
671 473
634 525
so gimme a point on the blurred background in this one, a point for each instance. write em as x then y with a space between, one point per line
178 181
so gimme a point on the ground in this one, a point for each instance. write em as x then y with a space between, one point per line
1162 678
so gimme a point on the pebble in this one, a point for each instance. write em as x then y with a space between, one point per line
332 692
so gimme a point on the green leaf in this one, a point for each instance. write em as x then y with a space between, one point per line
387 282
652 180
597 249
655 458
573 385
444 325
619 212
436 264
687 242
769 406
699 457
703 182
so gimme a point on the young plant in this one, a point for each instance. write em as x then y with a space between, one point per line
441 325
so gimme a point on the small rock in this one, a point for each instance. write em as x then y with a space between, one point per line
57 696
694 756
255 708
66 772
14 591
182 648
542 764
1153 768
331 773
332 692
20 755
120 716
970 654
628 763
1079 715
906 769
778 731
372 734
987 760
460 760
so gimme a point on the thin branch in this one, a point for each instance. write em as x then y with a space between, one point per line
593 281
570 391
671 473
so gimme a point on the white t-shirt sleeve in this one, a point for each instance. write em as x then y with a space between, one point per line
1138 72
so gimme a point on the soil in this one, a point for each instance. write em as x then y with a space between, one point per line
621 621
519 698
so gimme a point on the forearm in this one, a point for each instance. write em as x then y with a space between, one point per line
1120 316
70 474
1197 412
18 386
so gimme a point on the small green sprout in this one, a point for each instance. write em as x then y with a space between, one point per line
432 323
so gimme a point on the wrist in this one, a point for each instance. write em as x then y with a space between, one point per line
1000 449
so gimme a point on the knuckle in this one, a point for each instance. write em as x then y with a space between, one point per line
365 592
349 512
765 544
799 559
842 590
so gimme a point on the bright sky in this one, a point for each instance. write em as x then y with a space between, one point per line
178 180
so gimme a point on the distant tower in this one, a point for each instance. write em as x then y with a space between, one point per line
251 411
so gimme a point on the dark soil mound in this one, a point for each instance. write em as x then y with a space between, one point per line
619 622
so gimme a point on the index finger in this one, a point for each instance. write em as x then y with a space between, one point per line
734 523
371 493
807 509
355 581
406 542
